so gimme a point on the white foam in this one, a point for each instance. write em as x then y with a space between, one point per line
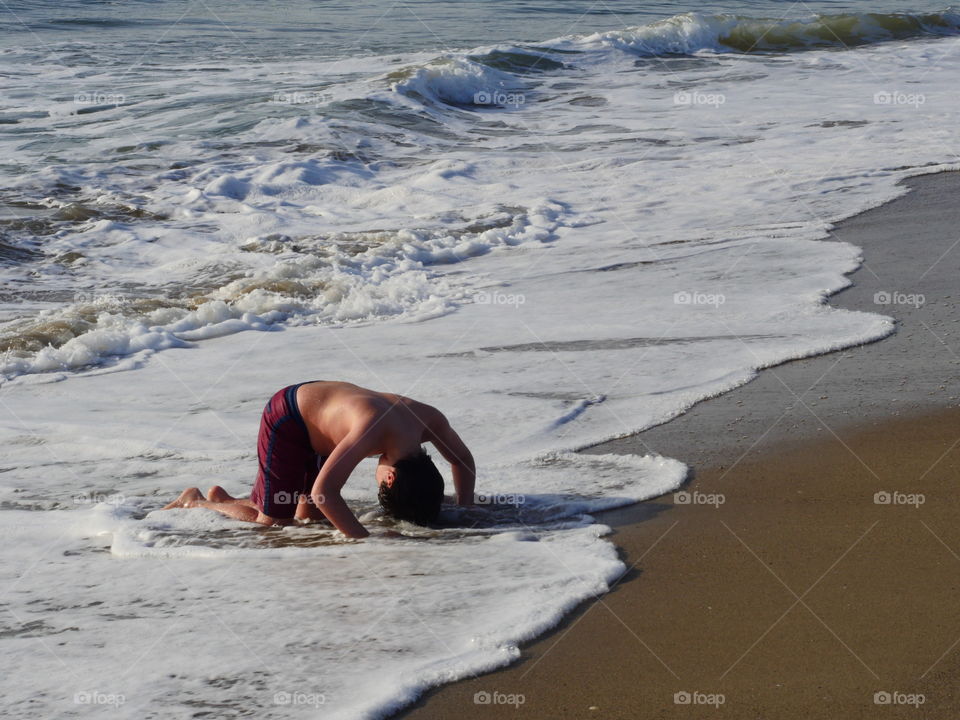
459 81
549 277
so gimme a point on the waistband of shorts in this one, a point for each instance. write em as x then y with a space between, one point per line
290 399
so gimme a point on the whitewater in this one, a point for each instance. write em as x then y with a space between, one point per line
555 241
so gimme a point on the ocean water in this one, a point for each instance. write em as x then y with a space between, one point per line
559 222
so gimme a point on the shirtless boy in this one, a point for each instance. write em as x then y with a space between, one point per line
332 426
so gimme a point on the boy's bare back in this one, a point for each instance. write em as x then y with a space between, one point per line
393 424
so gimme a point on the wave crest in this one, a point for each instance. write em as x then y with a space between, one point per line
690 33
456 81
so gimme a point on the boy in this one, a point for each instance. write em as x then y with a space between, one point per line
333 426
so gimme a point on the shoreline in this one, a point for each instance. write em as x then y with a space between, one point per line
796 595
911 371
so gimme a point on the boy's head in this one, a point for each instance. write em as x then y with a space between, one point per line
411 489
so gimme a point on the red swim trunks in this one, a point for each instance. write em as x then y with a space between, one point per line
287 461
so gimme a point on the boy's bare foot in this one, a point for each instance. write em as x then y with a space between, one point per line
187 498
218 494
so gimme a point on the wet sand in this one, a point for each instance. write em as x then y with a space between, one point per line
811 567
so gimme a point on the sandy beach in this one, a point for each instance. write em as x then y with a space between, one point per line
810 567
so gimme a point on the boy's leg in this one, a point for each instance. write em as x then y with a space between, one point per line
187 497
303 509
236 509
191 496
218 495
306 510
223 503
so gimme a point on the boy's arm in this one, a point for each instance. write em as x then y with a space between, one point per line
331 479
455 452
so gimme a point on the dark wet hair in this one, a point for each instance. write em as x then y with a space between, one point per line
416 492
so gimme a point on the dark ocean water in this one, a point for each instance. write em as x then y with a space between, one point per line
127 30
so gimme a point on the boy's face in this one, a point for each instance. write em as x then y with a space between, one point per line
386 473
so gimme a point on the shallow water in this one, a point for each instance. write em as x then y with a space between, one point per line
565 227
